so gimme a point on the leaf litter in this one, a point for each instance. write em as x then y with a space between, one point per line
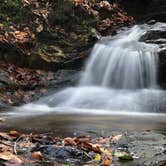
18 149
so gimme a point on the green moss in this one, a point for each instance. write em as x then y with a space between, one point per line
11 10
51 54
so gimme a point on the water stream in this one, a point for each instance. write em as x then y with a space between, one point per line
120 76
119 82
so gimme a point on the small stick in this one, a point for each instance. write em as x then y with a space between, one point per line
15 144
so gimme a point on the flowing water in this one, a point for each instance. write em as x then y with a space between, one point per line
120 78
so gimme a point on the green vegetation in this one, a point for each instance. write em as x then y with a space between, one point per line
11 10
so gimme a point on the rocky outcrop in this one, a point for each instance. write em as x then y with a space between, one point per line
57 34
151 11
23 85
158 37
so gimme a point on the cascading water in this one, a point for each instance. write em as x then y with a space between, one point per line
119 76
122 63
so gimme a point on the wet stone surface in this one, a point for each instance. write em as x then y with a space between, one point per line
64 154
147 148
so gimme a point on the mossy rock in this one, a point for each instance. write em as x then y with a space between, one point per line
51 54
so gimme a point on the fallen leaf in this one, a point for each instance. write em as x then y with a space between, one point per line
69 141
106 157
83 139
97 157
106 162
12 160
96 148
122 155
116 138
14 133
5 136
37 155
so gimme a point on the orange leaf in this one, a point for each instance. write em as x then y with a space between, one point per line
37 155
106 162
69 141
96 148
83 139
12 160
14 133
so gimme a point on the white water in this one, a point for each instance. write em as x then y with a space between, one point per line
122 63
120 76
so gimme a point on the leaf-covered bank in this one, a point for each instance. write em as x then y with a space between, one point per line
49 35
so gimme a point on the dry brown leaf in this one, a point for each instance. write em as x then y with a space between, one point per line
14 133
86 146
106 162
83 139
69 141
104 141
12 160
5 136
96 148
37 155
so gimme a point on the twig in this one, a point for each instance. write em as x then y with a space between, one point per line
15 144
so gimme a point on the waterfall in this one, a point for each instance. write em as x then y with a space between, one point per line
123 63
120 75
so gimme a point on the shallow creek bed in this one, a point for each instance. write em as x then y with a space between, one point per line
121 148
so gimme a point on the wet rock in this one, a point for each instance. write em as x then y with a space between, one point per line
151 22
51 54
158 37
153 35
64 78
147 148
64 154
23 85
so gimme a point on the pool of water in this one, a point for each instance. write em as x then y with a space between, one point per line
94 124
